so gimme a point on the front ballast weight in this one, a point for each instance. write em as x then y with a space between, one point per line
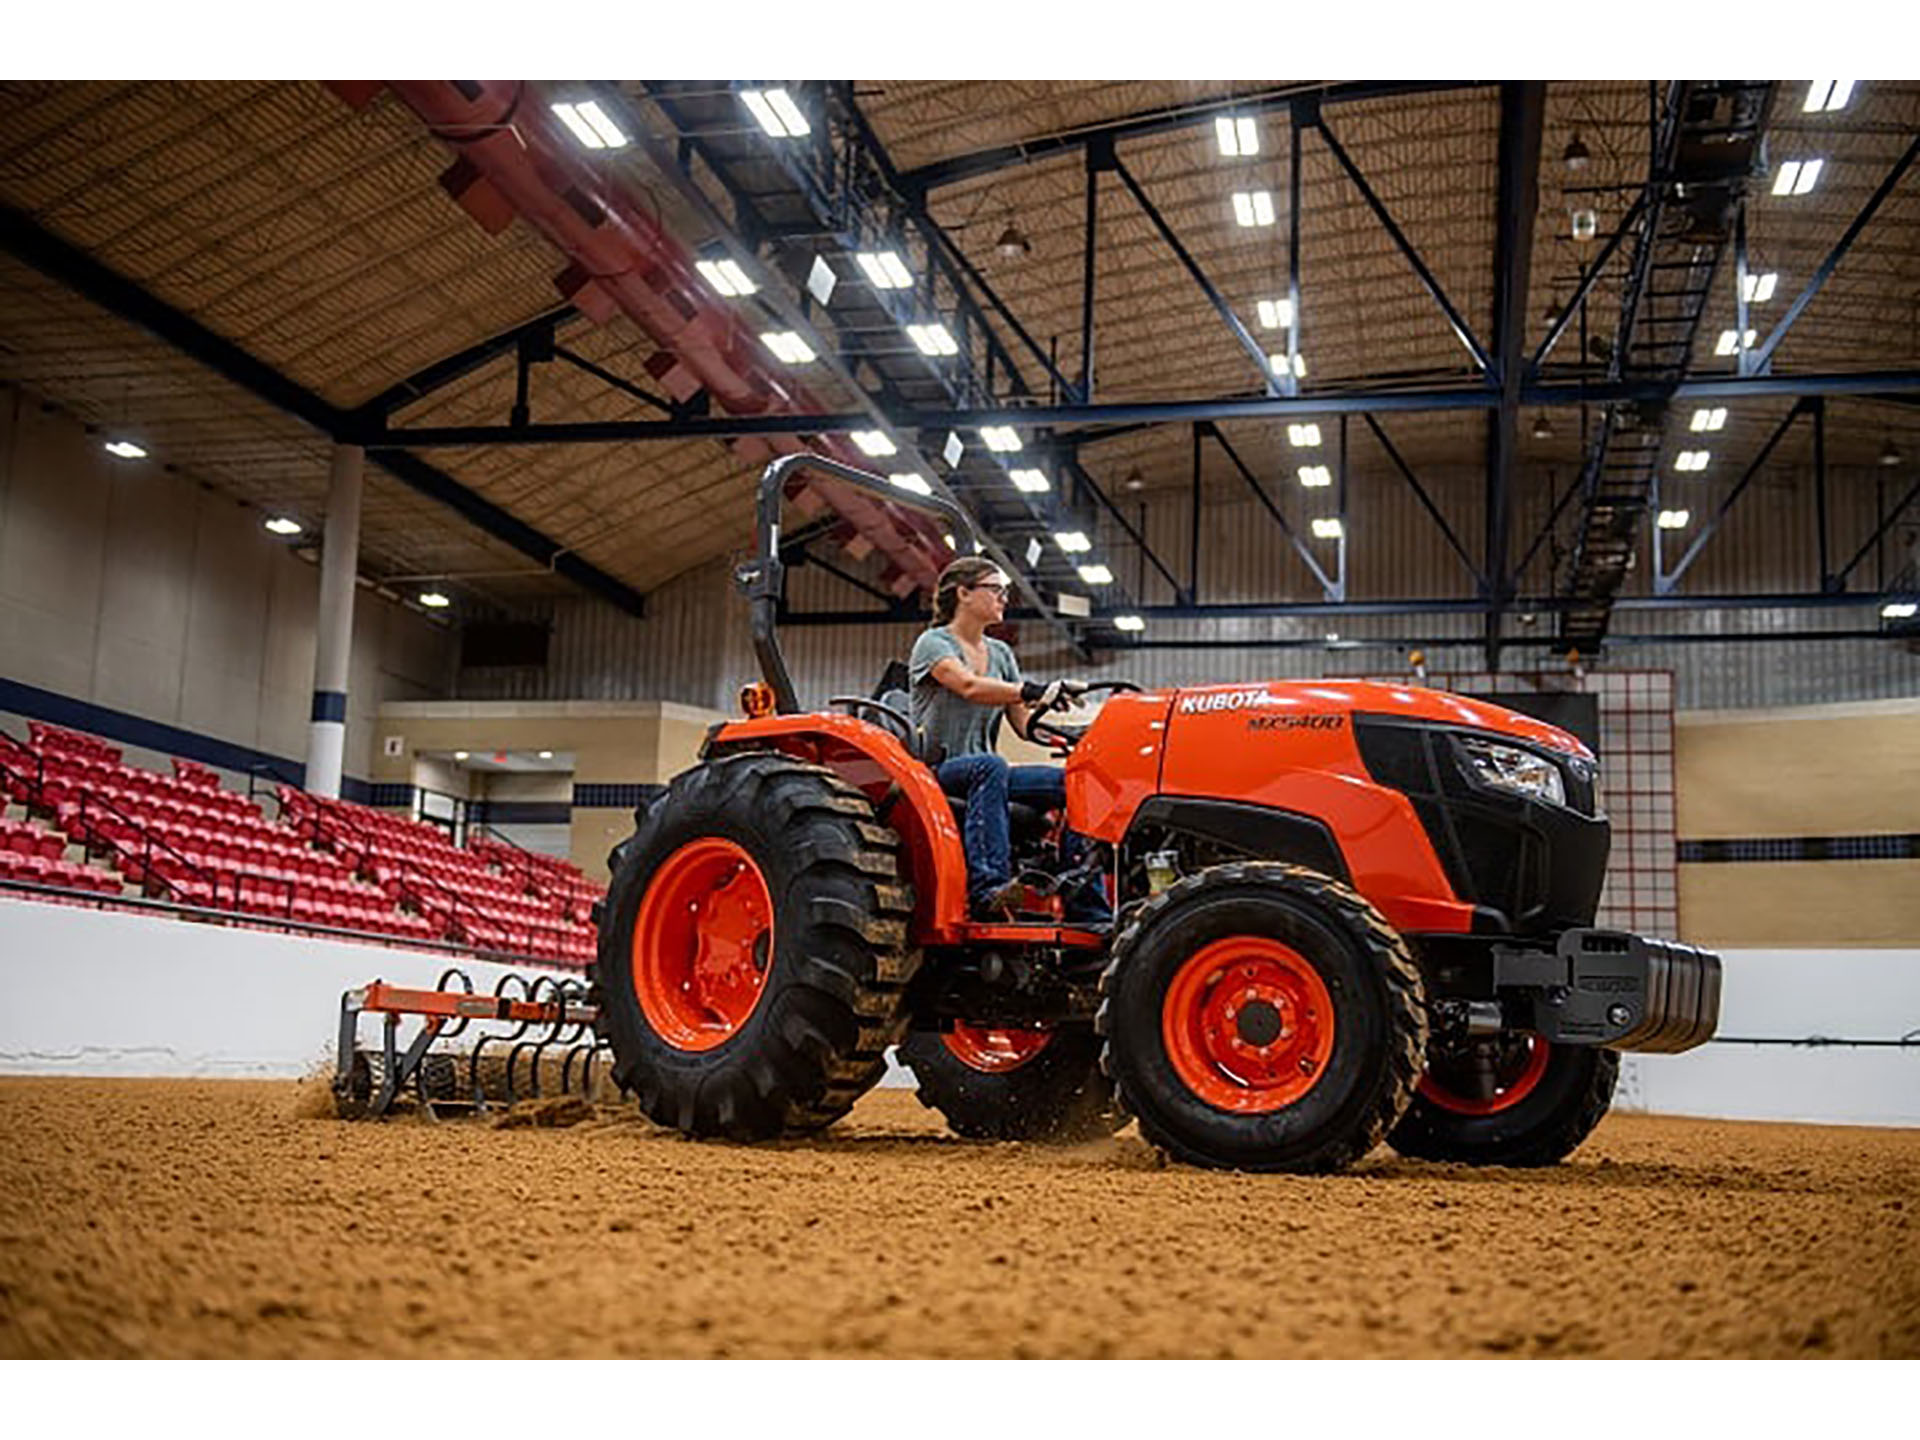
528 1039
1611 988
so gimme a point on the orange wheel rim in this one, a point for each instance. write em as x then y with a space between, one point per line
1517 1076
703 944
994 1051
1248 1024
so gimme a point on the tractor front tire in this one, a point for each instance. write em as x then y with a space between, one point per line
1042 1085
1261 1016
1545 1100
753 964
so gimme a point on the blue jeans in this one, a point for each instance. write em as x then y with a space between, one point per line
990 785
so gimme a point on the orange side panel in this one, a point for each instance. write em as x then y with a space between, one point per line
1117 765
1292 748
874 762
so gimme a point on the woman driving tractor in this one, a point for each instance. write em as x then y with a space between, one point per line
962 681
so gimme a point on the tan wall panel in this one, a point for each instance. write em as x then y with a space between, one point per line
1814 770
1838 904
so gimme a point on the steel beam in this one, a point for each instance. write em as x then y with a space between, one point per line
462 363
1097 160
1426 500
1092 487
1881 384
1300 548
1764 355
1587 281
113 292
1158 122
1192 267
1461 329
1665 583
1887 523
1522 119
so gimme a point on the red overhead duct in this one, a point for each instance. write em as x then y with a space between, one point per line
514 157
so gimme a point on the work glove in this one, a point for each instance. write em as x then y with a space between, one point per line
1056 694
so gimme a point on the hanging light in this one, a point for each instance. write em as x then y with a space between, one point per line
1576 156
1013 243
1542 428
1586 223
1136 482
1890 454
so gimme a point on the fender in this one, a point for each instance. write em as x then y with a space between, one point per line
903 791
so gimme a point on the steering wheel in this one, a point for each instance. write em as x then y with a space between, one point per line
891 718
1062 741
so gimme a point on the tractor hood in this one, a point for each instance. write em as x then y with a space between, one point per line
1404 702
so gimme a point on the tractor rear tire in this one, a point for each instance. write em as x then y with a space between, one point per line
1553 1097
1043 1085
1261 1016
753 966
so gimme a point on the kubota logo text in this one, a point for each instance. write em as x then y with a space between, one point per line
1231 700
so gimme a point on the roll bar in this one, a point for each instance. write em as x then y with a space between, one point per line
762 579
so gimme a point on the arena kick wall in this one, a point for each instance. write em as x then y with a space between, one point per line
134 590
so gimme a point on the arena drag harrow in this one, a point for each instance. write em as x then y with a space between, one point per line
551 1043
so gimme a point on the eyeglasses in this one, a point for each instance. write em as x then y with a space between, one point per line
1000 590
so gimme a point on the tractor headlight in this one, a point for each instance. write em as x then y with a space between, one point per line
1518 772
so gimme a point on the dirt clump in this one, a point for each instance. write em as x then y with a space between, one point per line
180 1219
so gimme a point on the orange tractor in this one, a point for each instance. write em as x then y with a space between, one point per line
1346 912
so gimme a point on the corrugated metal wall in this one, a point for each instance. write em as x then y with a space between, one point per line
693 646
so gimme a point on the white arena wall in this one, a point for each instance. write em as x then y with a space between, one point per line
94 992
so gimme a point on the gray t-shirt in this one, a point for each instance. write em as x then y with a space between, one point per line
941 717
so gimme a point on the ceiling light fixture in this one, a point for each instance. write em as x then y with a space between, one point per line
1674 519
885 270
281 525
1096 574
1013 243
1303 437
1760 287
1797 177
1315 477
1253 207
787 346
1135 481
1328 528
1032 482
1002 438
777 113
1899 610
434 600
726 276
1542 428
1827 95
590 125
933 339
125 450
1576 157
1692 459
1890 454
1275 314
459 754
546 754
874 442
1129 623
909 480
1705 418
1586 223
1730 340
1237 136
1072 542
1278 361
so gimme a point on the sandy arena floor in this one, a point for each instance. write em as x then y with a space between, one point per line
213 1219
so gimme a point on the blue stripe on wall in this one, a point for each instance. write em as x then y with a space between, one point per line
522 812
614 797
1802 847
330 705
117 725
